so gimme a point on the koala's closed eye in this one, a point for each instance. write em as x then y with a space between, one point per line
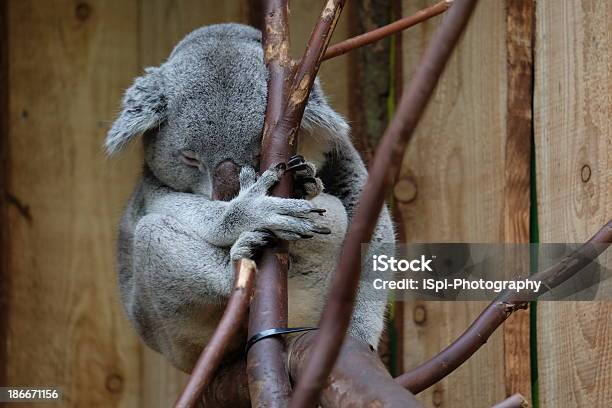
190 158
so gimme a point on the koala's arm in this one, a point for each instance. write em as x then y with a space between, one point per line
221 223
344 176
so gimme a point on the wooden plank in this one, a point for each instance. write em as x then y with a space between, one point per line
369 81
69 64
163 23
369 76
451 189
574 185
517 190
4 233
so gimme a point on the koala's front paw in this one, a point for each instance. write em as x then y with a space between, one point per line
305 182
285 218
248 243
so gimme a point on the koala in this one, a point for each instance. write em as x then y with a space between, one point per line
200 115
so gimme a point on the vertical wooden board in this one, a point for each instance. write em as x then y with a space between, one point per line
163 23
451 189
4 248
574 184
69 62
520 16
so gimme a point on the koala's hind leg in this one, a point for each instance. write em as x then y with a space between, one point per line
180 285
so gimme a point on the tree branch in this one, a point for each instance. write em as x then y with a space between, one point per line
379 33
513 401
307 70
359 378
229 387
269 384
338 309
229 326
498 311
268 380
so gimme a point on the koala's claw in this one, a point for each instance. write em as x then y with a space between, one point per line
296 160
322 230
298 167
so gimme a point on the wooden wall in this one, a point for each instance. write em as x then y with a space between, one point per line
69 64
451 189
466 178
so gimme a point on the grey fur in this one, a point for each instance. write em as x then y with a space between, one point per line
176 246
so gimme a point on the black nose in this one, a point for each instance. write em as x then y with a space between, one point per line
226 181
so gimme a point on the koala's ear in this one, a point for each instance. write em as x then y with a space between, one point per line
144 107
320 122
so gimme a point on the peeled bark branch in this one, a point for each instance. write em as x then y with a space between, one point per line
269 384
338 309
268 380
498 311
307 70
228 328
378 34
229 387
514 401
359 378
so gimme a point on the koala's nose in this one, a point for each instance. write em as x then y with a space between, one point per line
226 181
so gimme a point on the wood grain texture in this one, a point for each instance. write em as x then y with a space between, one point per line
69 64
163 23
369 82
451 190
4 232
574 183
369 76
519 42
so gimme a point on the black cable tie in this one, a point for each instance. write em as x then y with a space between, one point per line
275 332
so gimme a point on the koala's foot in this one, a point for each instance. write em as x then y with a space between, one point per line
285 218
305 182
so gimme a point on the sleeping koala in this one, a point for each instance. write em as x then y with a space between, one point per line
201 116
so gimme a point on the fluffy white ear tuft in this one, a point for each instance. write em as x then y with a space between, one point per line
144 107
